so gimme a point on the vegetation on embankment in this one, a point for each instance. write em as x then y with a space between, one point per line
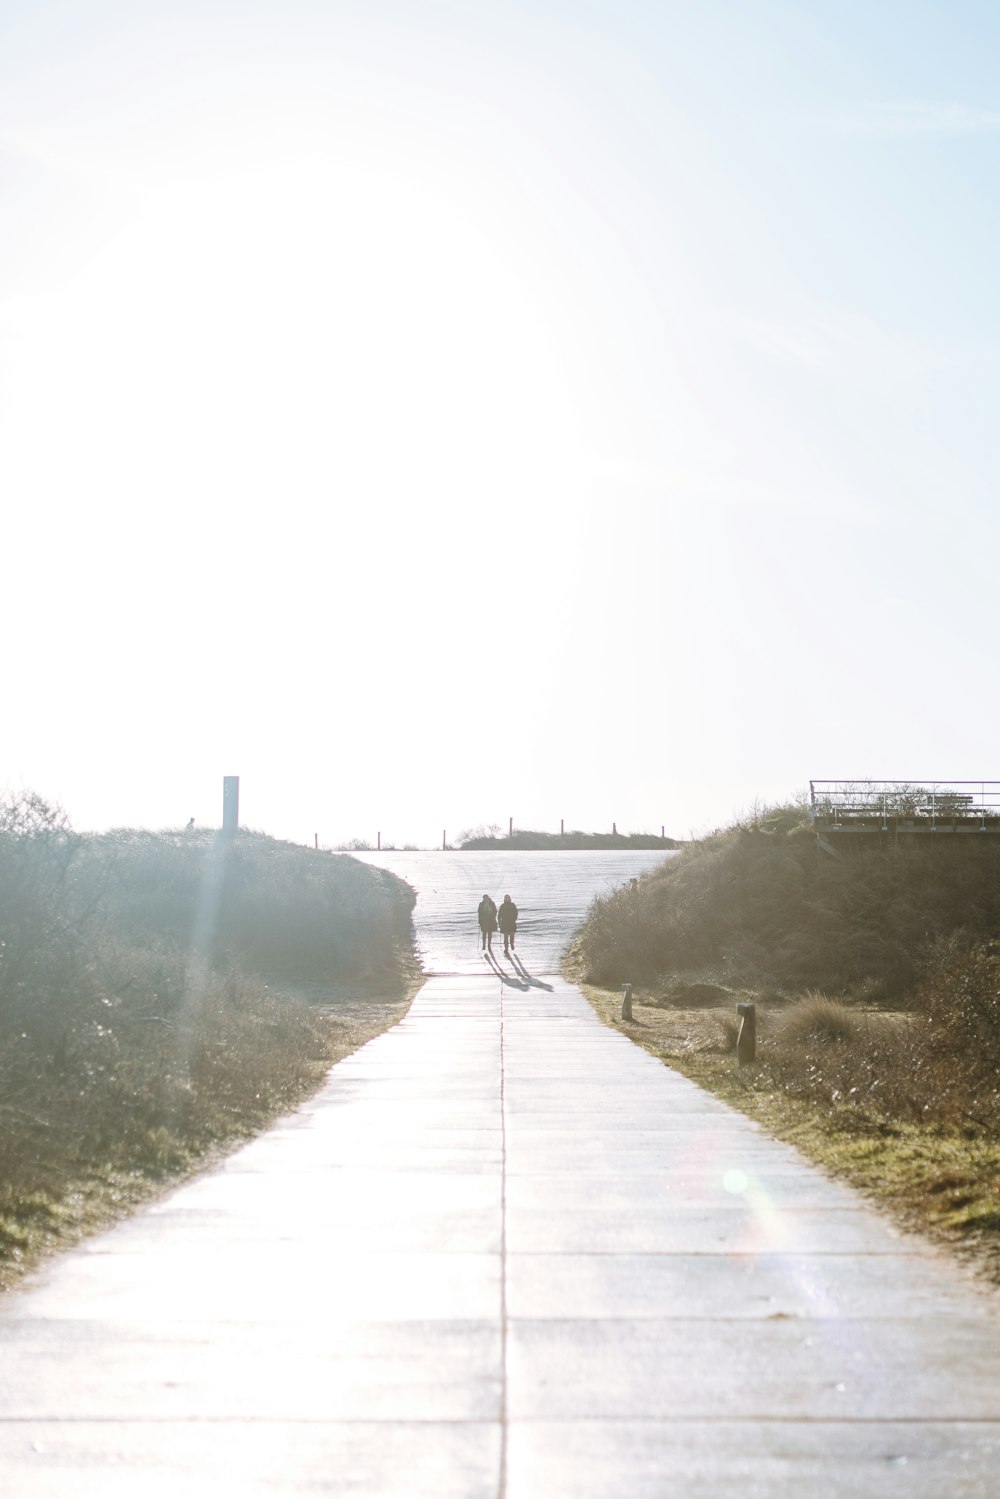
527 840
762 905
878 1005
148 1004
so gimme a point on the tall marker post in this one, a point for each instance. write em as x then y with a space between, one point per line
230 805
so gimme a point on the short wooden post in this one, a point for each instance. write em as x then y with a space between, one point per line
562 827
378 841
316 842
510 828
444 838
746 1040
626 1001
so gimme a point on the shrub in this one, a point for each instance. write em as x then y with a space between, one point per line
958 1020
40 942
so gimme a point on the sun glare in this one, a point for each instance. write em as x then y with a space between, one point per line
326 333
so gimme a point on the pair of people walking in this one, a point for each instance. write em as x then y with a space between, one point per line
492 916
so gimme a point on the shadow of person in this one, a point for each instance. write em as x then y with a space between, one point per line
505 978
523 972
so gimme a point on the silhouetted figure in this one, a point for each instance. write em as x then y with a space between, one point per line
190 826
487 914
507 922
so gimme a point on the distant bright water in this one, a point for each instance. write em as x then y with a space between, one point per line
552 891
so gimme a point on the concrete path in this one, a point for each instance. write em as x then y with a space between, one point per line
503 1253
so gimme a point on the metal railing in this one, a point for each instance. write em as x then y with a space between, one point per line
844 803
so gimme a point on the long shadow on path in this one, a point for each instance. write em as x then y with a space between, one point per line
523 973
505 978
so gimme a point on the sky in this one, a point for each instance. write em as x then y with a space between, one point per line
437 412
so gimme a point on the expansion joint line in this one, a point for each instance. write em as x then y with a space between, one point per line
502 1488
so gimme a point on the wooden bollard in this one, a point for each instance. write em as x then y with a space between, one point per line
626 1001
746 1040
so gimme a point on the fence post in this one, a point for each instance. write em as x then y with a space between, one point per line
626 1001
746 1041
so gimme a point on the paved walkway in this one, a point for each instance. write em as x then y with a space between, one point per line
503 1253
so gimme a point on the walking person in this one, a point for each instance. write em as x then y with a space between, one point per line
487 914
507 922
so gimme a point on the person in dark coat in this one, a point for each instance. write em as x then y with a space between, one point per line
507 922
487 914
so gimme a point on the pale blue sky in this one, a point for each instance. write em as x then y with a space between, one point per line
438 412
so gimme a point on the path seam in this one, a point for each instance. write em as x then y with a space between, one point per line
502 1489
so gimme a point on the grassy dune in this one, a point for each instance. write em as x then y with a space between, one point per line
761 904
151 1010
877 984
